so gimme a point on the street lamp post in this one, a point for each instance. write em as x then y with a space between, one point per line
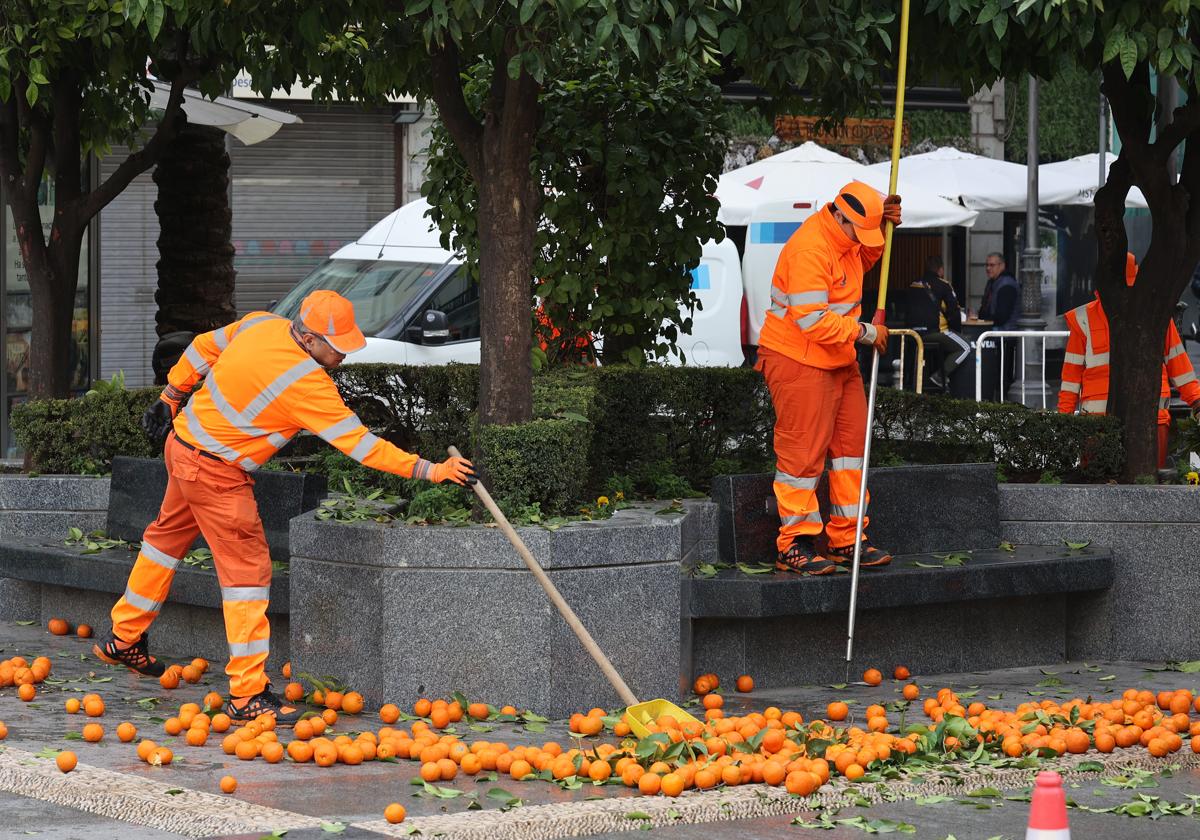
1028 386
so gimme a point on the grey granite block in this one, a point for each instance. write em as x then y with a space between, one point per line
937 638
635 535
956 506
138 486
53 493
48 524
50 562
1027 570
181 628
700 524
1098 503
20 600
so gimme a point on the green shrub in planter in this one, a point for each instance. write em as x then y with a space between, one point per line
82 435
543 462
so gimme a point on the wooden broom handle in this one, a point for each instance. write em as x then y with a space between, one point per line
563 607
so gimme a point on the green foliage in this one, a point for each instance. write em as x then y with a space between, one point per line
420 408
750 120
1067 119
83 435
437 503
626 159
543 462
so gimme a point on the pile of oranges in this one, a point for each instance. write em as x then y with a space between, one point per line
60 627
190 673
26 676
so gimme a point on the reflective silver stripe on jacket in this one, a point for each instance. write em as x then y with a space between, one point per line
231 414
422 469
808 321
1072 387
798 298
1094 406
1097 359
1176 350
197 361
250 648
848 511
844 308
160 557
800 482
273 390
847 463
363 448
207 441
1074 358
1090 357
245 593
1185 379
344 426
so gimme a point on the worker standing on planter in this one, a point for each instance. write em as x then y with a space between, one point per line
264 379
1085 366
807 355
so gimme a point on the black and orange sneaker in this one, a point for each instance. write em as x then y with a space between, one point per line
803 558
266 702
870 558
136 657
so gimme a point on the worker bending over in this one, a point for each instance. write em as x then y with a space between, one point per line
808 357
264 379
1085 366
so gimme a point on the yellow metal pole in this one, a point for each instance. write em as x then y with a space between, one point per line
880 316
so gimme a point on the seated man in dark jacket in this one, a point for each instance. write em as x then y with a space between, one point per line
931 309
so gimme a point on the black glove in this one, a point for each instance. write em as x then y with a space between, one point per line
157 421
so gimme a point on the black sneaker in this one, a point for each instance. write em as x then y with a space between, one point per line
938 379
871 557
136 657
803 558
266 702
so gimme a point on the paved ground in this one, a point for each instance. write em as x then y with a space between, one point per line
112 794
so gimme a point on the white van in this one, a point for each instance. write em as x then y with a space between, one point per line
397 272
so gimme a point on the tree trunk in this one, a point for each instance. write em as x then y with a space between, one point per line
53 273
195 265
506 230
1135 377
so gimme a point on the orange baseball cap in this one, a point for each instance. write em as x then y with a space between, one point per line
1131 268
331 316
863 206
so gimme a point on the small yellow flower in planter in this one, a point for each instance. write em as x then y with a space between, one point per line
1193 478
602 501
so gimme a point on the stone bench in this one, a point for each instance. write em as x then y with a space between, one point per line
61 580
1002 607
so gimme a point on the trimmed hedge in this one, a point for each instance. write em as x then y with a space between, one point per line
653 431
84 434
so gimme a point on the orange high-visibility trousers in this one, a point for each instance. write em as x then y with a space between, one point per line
818 413
216 499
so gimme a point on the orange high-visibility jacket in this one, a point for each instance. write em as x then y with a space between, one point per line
261 388
1085 367
816 294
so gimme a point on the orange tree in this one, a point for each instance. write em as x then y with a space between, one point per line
370 48
1129 44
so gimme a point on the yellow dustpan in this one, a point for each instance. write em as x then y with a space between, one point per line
637 715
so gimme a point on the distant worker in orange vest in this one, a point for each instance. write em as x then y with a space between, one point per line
1085 366
807 355
265 379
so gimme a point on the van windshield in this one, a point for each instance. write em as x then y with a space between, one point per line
379 289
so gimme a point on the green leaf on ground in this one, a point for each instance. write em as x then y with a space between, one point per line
333 827
26 623
1109 677
507 800
637 815
1077 546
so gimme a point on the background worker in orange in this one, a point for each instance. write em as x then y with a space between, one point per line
807 355
1085 366
265 378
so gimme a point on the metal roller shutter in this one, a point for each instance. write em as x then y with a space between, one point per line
307 191
297 198
128 279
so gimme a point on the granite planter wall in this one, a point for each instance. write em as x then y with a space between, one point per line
401 612
45 506
1154 535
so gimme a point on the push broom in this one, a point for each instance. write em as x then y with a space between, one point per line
637 715
879 318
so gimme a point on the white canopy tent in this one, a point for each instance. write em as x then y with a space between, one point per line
244 120
811 175
974 181
1075 181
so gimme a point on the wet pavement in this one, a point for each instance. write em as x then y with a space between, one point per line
342 795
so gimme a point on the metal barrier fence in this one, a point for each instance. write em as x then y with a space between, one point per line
920 374
1021 334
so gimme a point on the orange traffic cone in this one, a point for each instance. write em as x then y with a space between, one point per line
1048 810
